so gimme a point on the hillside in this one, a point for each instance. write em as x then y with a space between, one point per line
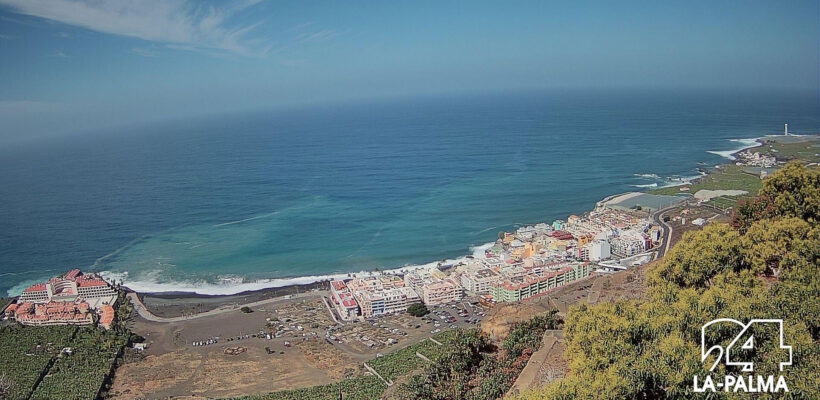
764 264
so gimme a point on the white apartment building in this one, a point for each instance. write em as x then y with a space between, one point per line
382 295
599 250
478 281
441 292
433 286
628 244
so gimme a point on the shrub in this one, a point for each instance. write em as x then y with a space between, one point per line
417 310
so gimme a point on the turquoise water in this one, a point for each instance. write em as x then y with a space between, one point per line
217 203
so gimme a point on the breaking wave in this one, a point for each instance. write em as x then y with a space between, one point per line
744 144
149 282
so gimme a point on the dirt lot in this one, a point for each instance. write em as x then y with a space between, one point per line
306 347
172 366
211 373
681 219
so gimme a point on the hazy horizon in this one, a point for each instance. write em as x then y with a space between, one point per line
73 66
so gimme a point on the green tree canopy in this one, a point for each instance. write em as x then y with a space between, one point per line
765 265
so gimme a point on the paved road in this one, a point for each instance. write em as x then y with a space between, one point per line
667 229
146 314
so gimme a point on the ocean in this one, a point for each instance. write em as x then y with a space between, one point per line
243 201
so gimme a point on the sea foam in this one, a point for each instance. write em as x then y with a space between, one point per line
149 282
744 144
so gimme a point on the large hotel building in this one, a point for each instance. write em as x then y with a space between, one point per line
68 299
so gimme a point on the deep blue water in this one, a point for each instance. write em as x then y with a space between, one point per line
346 187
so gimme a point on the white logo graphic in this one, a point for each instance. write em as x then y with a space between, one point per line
733 355
748 343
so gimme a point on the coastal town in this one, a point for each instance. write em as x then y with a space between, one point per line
370 328
529 262
354 327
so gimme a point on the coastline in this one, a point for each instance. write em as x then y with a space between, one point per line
188 297
209 290
175 298
175 304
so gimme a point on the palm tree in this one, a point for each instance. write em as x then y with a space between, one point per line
5 386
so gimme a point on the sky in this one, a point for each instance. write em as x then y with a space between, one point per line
73 65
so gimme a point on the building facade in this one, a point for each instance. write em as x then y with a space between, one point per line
73 298
534 284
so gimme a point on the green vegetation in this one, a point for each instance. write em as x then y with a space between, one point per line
34 365
5 385
81 373
763 265
246 309
364 388
417 310
727 177
398 363
431 350
471 367
805 150
791 192
27 352
446 336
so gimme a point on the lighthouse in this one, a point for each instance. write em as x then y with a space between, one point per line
786 130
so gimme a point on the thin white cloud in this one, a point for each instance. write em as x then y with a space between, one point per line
145 52
5 36
177 22
302 25
318 36
59 54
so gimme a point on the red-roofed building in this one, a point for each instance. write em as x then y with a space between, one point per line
35 287
69 299
52 313
72 286
11 310
73 274
562 235
106 316
35 293
343 300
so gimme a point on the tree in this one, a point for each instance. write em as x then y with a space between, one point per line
650 348
793 191
699 256
5 386
768 242
417 310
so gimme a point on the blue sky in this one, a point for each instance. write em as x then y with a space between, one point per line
71 65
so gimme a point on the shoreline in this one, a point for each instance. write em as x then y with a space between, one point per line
305 283
169 304
176 304
203 294
210 290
